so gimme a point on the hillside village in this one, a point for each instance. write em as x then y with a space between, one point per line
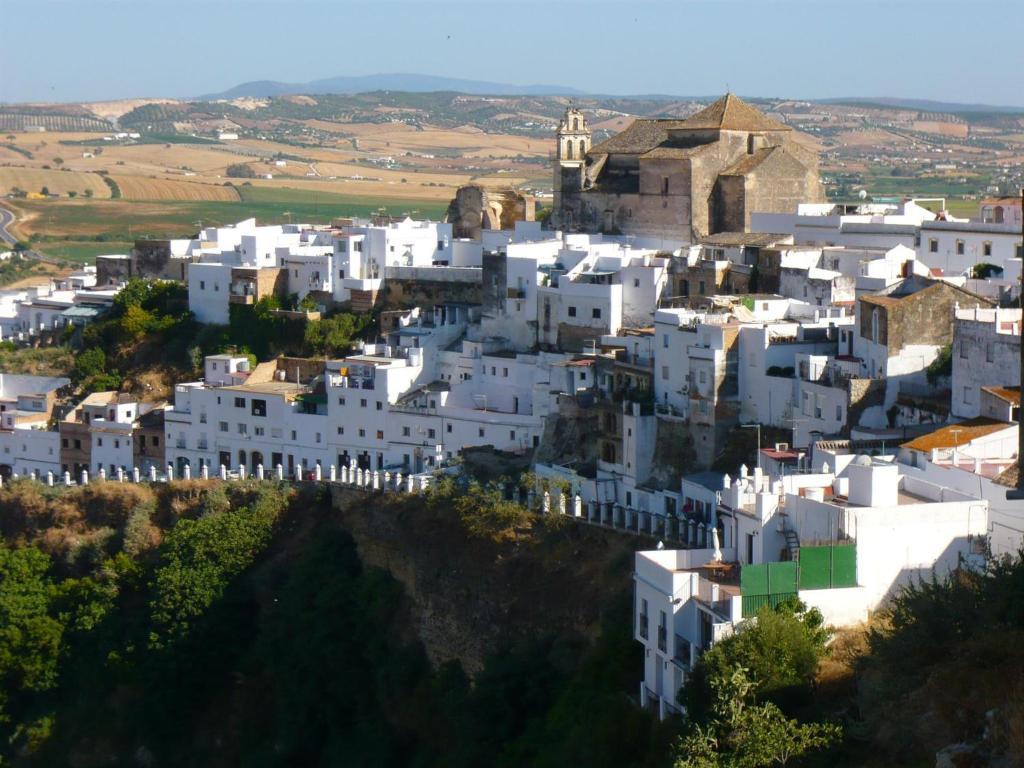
794 396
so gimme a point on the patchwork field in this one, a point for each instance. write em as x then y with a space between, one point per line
33 180
141 188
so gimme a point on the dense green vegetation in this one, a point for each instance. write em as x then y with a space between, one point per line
212 624
269 644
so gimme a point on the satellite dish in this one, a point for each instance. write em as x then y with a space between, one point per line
863 194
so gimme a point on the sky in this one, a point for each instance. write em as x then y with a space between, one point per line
947 50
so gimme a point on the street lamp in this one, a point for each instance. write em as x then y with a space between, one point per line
758 428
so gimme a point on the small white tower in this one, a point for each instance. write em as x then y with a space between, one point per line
574 141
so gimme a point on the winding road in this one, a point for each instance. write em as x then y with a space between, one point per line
6 219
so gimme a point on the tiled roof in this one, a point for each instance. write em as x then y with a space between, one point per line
641 136
1008 394
745 238
731 113
1009 477
953 435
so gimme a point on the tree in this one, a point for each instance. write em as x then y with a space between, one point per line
742 734
45 191
30 637
58 161
780 651
240 171
88 193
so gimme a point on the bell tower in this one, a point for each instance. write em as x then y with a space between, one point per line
574 142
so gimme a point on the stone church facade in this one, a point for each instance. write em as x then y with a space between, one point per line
681 179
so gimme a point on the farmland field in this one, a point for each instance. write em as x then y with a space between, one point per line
143 188
57 182
82 252
125 220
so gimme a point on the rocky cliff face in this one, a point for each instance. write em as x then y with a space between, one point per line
472 597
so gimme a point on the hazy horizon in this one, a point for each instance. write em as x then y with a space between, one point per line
95 50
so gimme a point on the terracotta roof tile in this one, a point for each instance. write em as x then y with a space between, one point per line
953 435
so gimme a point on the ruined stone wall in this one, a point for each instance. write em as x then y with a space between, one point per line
406 294
862 394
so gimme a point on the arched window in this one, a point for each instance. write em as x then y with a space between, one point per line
568 149
997 214
583 148
575 123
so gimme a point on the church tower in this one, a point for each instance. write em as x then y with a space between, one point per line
573 143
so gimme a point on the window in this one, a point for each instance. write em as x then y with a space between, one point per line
64 443
701 288
449 428
156 441
663 632
959 247
222 426
258 431
341 430
341 401
362 402
664 372
990 351
406 432
362 433
572 311
596 313
342 246
243 429
318 437
494 371
99 440
664 185
933 245
440 245
293 434
963 349
341 274
239 402
839 413
380 434
643 619
986 248
380 406
967 394
481 431
78 444
202 287
703 377
636 282
504 372
259 407
512 434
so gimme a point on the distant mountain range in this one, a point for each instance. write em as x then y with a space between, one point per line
388 82
416 83
925 105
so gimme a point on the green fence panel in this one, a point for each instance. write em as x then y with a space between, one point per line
782 578
844 565
815 567
754 579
